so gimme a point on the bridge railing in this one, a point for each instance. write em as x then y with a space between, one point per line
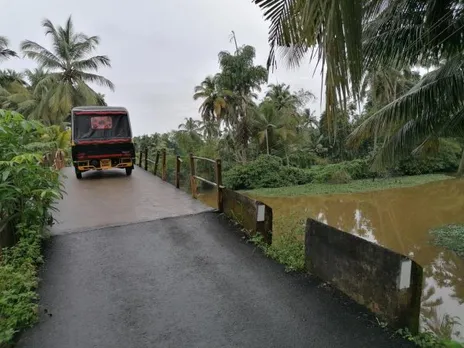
161 162
253 215
153 165
217 174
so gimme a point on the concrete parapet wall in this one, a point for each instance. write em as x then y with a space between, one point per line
387 283
253 215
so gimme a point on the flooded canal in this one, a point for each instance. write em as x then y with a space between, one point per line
399 219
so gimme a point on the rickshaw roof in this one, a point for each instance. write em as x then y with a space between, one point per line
99 109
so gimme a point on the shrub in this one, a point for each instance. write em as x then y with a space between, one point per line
342 172
27 190
266 171
340 177
445 161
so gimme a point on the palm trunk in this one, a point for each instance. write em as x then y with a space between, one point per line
267 142
461 165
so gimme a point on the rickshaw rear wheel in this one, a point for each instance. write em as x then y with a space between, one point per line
78 174
128 171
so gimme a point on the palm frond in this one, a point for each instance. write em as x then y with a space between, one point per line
406 32
92 63
83 45
85 95
436 95
98 79
5 52
41 55
331 29
415 136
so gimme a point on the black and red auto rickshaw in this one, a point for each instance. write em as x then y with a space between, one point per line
101 139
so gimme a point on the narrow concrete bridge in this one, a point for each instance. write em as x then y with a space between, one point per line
135 263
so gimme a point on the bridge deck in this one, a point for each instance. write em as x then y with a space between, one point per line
184 281
110 198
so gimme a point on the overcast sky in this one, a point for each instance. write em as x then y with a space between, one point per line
159 50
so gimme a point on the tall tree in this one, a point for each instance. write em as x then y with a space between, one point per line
243 79
71 69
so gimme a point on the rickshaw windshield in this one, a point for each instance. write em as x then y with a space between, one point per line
99 127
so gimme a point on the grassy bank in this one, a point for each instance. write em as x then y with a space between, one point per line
364 185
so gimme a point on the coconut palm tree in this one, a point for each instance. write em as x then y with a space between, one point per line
214 98
281 96
348 38
308 119
28 96
9 76
5 52
191 127
272 125
211 129
70 66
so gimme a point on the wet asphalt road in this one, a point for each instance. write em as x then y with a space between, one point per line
185 281
110 198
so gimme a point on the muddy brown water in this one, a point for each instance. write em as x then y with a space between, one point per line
399 219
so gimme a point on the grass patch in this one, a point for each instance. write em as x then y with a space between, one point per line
363 185
287 248
450 237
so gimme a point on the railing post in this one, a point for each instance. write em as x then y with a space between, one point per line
177 171
156 162
146 158
140 158
219 185
164 165
192 176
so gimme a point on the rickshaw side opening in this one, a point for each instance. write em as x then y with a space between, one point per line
101 139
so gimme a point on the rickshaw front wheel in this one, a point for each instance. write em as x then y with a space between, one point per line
128 171
78 174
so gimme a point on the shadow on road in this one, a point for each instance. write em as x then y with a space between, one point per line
103 174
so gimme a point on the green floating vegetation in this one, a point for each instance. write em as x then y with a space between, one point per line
364 185
450 237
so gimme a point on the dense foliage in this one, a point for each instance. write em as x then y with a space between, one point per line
27 189
265 171
278 141
375 43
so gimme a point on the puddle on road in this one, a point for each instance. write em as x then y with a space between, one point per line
400 219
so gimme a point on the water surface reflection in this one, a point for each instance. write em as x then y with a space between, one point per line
400 219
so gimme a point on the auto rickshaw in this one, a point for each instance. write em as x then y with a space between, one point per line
101 139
